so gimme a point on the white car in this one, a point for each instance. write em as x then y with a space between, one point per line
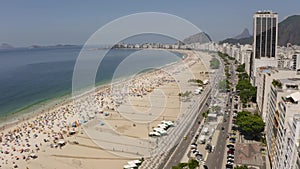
193 146
230 163
212 148
230 155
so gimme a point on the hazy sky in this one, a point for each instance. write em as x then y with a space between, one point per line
24 23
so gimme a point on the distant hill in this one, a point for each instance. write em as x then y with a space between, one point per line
288 32
243 35
50 46
201 37
242 41
5 46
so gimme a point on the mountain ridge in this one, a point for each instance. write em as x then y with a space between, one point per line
288 32
6 46
244 34
201 37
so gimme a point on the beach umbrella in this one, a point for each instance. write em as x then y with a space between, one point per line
61 142
32 155
71 132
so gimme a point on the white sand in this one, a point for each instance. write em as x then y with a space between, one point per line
146 100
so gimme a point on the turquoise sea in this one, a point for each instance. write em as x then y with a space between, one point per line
30 77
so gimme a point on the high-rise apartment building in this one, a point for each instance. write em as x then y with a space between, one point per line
283 123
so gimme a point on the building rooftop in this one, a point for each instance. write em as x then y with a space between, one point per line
265 12
290 81
267 69
294 97
297 117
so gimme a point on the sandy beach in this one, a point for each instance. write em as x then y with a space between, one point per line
108 127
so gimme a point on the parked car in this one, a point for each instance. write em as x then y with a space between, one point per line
232 140
230 156
193 150
230 160
212 148
230 152
234 128
199 157
193 146
230 163
230 146
232 149
228 166
196 152
207 147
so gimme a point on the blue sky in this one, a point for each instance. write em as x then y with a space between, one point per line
24 23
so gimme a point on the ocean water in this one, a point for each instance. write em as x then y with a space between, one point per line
32 76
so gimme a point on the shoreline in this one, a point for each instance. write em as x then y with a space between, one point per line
42 133
30 111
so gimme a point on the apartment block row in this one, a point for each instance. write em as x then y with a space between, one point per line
275 71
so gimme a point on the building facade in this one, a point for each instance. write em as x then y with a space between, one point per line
265 35
264 78
283 123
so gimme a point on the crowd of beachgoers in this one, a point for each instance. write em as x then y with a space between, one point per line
52 128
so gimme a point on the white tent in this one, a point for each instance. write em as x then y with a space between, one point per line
127 166
132 164
169 123
163 126
160 131
154 134
137 161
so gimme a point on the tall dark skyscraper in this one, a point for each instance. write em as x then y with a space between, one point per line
265 37
265 33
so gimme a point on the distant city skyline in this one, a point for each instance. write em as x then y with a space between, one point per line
55 22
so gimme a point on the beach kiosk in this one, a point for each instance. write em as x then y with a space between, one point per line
212 117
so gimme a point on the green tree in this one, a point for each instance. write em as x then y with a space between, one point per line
222 85
247 91
193 164
216 108
243 84
243 76
250 124
241 68
195 81
214 63
276 83
180 166
205 114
